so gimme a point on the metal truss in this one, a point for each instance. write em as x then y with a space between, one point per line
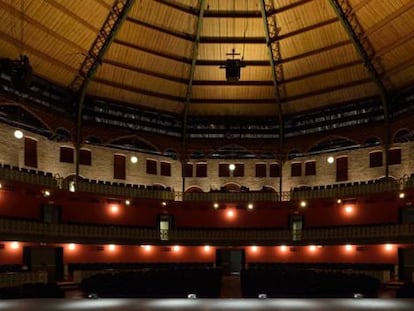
273 45
93 59
347 16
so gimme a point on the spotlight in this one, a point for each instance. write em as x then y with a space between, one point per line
215 205
331 160
93 296
18 134
339 201
303 204
401 195
250 206
127 202
232 167
134 159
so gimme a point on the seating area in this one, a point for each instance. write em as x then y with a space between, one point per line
289 282
34 290
155 283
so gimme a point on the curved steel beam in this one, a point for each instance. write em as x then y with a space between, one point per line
117 15
355 32
202 5
271 33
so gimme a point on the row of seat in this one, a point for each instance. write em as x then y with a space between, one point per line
306 283
155 283
35 290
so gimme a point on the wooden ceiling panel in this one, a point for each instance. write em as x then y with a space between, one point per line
220 51
332 58
99 90
375 12
398 55
134 79
306 15
147 61
326 81
312 40
382 41
233 27
163 16
154 40
340 96
232 92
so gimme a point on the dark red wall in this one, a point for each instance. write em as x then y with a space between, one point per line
23 201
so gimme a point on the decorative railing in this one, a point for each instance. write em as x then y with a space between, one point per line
341 190
24 230
10 279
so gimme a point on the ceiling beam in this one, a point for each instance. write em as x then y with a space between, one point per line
262 40
180 7
174 33
288 7
72 15
116 16
364 49
285 99
145 71
385 22
306 29
392 46
17 14
169 56
138 90
359 5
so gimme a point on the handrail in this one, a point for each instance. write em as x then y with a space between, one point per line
26 230
341 190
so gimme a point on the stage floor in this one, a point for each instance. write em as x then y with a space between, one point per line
206 304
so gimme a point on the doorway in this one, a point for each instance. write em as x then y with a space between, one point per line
231 261
45 259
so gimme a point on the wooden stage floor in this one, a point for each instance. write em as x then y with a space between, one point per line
206 304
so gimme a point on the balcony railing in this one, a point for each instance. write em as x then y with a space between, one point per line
342 190
24 230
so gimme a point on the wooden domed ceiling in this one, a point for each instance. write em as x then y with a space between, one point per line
170 55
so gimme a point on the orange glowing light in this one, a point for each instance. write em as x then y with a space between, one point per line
349 209
114 209
111 247
14 245
147 248
254 248
230 214
176 248
283 248
71 246
312 248
388 247
348 248
207 248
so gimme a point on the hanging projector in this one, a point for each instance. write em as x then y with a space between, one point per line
19 71
232 67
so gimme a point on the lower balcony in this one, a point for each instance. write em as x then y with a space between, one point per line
25 230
